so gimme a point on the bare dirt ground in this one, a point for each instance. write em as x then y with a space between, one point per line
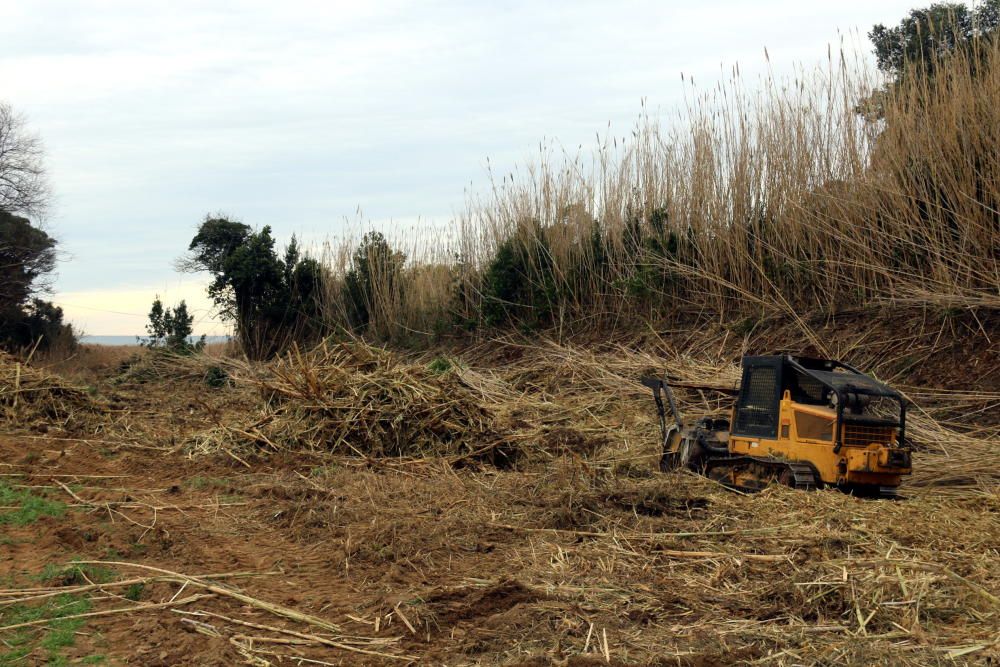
119 544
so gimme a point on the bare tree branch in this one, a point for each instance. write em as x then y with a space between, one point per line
24 187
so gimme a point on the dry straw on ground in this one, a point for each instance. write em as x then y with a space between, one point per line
508 402
30 397
579 549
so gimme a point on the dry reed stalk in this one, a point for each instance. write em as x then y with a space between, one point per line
777 200
276 609
112 612
21 595
310 638
340 641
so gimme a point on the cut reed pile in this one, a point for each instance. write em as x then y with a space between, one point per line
33 398
357 399
160 366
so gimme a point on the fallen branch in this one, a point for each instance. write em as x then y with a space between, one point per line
307 637
278 610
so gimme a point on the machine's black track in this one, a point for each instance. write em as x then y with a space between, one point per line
763 472
803 476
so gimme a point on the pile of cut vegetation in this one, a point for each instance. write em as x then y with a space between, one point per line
357 399
33 398
159 366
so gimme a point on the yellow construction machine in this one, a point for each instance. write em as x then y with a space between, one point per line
799 421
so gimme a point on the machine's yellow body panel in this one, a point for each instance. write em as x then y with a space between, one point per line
865 464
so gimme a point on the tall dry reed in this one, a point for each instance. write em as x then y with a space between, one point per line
779 198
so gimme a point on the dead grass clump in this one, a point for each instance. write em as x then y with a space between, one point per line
30 397
159 366
357 399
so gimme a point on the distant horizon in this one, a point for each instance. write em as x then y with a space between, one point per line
125 339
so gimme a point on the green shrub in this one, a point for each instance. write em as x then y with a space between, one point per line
216 376
272 300
171 330
519 285
374 275
440 365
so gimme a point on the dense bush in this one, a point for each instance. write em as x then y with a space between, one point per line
518 285
272 300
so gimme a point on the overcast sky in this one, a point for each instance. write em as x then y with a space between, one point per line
296 114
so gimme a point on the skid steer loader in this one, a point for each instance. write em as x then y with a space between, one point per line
799 421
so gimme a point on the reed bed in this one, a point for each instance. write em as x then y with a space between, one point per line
759 199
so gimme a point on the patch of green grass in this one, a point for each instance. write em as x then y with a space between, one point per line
18 645
55 636
74 574
323 471
440 365
30 507
62 634
134 592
